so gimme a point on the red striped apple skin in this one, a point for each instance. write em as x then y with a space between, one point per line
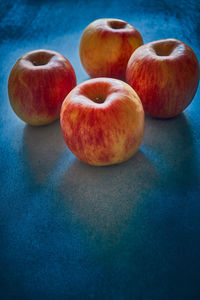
102 121
106 46
165 75
38 83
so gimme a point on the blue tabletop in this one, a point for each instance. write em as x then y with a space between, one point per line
72 231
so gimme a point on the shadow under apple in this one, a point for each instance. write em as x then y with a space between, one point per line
43 147
170 145
102 200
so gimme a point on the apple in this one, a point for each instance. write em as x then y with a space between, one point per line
102 121
106 46
37 85
165 75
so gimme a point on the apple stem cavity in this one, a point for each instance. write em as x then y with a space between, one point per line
117 24
99 100
164 49
39 63
39 58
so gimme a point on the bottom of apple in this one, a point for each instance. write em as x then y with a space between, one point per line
40 121
106 161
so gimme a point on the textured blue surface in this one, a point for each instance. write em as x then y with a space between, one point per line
72 231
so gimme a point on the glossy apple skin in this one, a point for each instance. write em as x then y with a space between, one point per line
106 46
37 85
102 121
165 75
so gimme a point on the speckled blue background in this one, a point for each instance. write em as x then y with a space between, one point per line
72 231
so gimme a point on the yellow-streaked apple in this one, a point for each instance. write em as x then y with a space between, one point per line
106 46
102 121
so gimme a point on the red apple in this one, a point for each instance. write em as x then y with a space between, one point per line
38 84
106 46
102 121
165 75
